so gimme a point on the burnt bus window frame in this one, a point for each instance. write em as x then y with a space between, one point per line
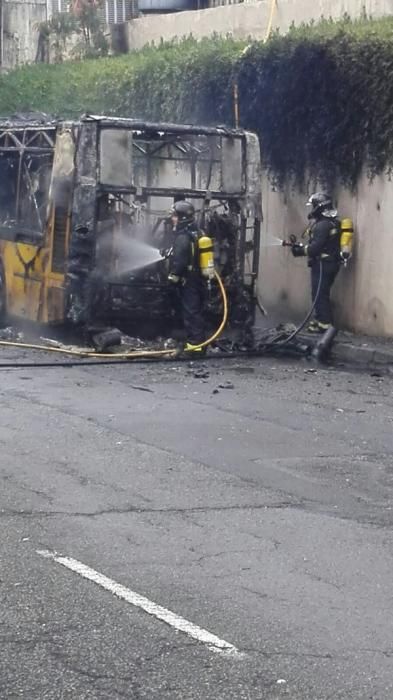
146 145
28 151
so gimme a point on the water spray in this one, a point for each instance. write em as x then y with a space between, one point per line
272 241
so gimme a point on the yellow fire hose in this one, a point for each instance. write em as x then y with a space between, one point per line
223 322
88 353
136 353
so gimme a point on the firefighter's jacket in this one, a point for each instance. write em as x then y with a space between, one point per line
324 240
184 258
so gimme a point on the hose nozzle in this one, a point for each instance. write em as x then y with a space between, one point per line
291 242
166 253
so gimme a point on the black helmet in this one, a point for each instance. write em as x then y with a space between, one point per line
319 202
185 211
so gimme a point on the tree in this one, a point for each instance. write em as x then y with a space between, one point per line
94 42
82 20
53 34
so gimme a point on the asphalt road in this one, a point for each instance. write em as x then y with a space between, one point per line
260 513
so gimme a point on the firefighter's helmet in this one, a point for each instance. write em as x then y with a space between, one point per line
319 203
185 211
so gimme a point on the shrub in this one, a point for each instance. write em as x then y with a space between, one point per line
320 98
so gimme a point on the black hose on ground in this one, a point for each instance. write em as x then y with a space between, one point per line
89 363
260 307
299 328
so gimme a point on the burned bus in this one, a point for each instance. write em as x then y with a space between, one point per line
79 199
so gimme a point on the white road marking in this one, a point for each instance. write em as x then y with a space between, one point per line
178 623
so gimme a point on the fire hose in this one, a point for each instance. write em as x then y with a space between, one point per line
300 327
222 325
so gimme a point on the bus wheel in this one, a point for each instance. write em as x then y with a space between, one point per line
3 298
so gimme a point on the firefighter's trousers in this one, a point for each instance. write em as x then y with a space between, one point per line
323 307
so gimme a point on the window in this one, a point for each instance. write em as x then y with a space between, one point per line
118 11
33 192
59 6
115 157
25 181
110 12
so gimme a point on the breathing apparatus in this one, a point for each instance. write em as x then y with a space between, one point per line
206 257
346 240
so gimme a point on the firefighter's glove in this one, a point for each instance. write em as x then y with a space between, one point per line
298 250
175 279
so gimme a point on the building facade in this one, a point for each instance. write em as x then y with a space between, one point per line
20 22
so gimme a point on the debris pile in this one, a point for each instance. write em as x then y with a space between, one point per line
11 334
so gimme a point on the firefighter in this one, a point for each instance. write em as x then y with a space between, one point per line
185 272
323 253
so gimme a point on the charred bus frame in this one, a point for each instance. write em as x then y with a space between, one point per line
58 178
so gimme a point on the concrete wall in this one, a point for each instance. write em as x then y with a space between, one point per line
20 35
246 19
363 293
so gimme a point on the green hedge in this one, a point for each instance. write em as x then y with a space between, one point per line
320 98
